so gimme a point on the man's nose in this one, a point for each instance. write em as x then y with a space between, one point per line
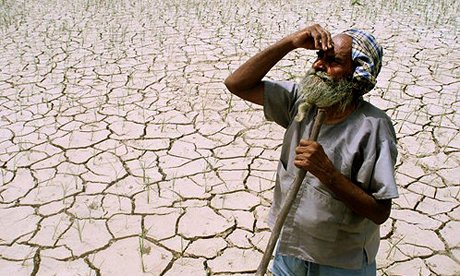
319 65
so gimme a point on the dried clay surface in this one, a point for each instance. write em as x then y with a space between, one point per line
122 153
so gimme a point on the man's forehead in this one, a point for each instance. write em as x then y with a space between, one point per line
342 46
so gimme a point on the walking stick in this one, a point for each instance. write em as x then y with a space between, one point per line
291 196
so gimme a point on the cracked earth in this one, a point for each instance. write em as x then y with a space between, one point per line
122 153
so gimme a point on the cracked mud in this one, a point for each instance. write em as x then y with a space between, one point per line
122 153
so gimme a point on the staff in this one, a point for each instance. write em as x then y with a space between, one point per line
291 196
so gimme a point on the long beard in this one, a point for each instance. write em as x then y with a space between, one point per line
318 89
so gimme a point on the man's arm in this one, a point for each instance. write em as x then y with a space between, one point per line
246 81
311 157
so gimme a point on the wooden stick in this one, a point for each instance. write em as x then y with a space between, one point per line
290 197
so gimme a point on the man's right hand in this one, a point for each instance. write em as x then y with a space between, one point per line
313 37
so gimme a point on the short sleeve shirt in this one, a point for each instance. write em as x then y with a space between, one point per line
320 228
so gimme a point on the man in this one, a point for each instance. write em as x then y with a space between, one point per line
333 226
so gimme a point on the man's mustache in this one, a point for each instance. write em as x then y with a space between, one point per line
320 74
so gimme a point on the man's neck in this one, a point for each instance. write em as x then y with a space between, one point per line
336 115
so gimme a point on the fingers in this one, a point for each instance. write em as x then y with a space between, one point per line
301 164
322 38
306 150
313 37
306 143
311 157
328 42
306 161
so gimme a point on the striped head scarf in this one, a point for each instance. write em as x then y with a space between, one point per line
366 54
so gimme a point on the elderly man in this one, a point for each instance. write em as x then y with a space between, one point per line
333 226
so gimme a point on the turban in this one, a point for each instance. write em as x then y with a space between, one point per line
366 54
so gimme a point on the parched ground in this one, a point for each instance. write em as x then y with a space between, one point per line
122 153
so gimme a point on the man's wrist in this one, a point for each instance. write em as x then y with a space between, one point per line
333 178
287 43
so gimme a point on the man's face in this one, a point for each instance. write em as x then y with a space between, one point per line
328 82
336 62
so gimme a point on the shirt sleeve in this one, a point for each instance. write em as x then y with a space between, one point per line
378 168
280 101
383 184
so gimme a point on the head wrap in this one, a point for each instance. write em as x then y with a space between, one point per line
366 54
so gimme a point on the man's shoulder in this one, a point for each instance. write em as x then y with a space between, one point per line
371 111
375 118
277 84
280 101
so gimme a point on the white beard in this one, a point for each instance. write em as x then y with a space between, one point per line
318 89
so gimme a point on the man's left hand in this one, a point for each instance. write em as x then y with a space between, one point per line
310 156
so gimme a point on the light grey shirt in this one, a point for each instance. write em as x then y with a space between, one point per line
320 228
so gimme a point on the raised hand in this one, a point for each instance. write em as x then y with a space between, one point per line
313 37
